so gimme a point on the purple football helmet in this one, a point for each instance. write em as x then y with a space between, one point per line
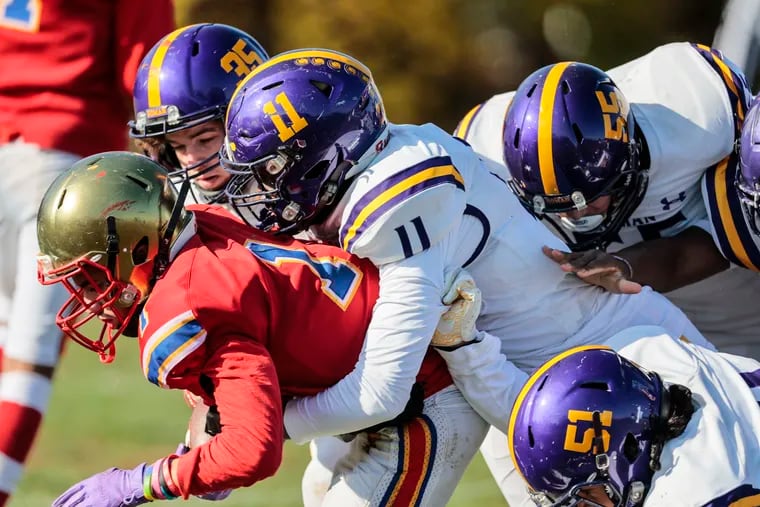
568 140
188 78
295 128
748 176
588 417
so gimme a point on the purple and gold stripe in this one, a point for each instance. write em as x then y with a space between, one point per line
545 121
736 85
394 190
736 240
745 495
418 442
535 377
463 129
154 71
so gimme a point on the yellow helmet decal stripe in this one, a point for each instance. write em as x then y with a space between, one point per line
154 72
545 116
529 383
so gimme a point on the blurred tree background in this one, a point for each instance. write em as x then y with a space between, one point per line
435 59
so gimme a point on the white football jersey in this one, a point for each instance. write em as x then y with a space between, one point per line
687 102
429 202
716 461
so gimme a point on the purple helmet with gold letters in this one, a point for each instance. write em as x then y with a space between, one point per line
588 419
569 140
748 176
188 78
296 127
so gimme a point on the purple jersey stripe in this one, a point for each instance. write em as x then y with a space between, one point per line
397 188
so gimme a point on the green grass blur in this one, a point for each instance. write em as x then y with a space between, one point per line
109 415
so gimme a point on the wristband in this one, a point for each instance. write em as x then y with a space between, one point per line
627 264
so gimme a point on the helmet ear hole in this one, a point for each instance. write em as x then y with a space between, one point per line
631 448
140 251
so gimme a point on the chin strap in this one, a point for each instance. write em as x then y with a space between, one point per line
164 245
112 244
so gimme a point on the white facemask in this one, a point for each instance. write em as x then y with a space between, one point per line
583 224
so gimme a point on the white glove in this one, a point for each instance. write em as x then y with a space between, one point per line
457 325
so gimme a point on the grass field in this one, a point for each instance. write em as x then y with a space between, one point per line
109 415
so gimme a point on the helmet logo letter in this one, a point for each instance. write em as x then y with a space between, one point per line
611 111
297 122
584 446
239 60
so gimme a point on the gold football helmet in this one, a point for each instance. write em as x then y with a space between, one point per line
105 228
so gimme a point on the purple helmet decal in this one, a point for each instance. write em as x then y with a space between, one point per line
748 176
295 127
587 417
568 140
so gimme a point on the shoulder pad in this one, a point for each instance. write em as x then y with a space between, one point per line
731 232
483 127
392 215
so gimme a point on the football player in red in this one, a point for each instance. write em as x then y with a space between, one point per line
246 321
66 76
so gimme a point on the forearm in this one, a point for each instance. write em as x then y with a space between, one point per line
249 447
488 381
378 388
666 264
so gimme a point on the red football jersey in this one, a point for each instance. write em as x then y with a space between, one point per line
244 319
68 67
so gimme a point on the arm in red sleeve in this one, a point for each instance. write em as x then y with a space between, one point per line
249 448
139 25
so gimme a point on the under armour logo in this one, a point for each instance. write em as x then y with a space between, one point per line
666 203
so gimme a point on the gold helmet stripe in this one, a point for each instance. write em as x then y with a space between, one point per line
154 72
545 117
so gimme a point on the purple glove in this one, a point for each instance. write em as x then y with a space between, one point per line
216 495
113 488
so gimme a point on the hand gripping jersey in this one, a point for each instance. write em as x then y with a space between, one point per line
716 461
688 102
243 319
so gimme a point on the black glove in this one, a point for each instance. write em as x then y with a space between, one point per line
213 422
412 410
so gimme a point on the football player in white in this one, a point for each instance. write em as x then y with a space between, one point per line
660 422
565 137
308 129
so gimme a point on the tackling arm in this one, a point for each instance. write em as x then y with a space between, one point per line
377 390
